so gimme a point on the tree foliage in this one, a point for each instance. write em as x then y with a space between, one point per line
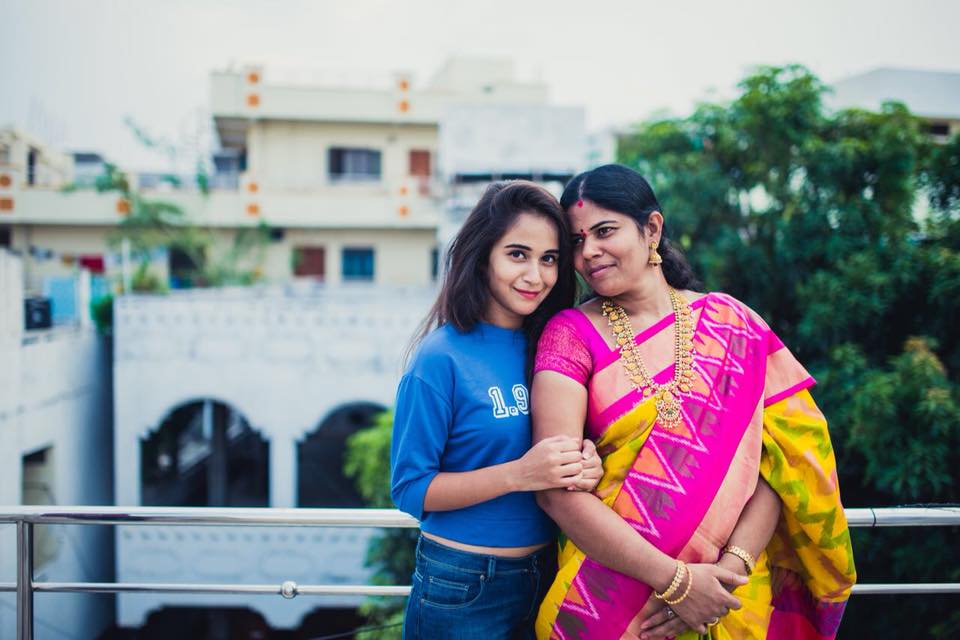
391 554
841 229
152 224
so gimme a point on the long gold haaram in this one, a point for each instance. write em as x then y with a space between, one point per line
666 400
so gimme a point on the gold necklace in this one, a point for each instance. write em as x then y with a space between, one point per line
666 400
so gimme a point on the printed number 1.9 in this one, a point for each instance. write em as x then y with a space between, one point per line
520 397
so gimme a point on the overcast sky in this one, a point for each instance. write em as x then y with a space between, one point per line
71 70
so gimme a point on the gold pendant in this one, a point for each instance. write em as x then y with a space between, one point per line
668 410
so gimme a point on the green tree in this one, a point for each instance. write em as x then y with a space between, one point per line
152 224
391 554
811 217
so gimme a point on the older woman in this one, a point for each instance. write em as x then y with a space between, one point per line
719 474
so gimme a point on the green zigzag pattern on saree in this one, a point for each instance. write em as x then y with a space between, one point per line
827 519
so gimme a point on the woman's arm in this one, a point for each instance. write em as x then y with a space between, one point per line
552 462
559 407
752 533
755 527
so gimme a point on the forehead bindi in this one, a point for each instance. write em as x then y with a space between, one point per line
582 218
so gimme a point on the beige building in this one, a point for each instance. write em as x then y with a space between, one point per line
934 96
345 177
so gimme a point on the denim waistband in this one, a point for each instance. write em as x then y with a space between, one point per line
483 563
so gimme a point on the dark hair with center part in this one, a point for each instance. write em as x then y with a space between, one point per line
621 189
465 294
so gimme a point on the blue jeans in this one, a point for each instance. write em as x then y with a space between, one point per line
459 595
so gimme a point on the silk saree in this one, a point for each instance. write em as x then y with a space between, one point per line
749 413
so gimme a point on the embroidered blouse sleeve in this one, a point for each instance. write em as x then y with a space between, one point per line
563 349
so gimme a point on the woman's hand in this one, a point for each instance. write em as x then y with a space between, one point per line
734 564
708 599
554 462
592 468
665 623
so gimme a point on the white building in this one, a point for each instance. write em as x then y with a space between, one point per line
55 448
244 397
934 96
350 180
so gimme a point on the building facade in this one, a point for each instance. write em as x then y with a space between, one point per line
351 182
245 397
55 448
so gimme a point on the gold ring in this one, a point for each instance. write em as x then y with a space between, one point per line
713 622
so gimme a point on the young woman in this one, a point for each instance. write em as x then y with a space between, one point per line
461 458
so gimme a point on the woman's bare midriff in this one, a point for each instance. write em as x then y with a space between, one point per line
503 552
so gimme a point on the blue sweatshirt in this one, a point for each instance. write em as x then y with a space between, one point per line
464 405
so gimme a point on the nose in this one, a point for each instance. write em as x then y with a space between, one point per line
532 274
589 248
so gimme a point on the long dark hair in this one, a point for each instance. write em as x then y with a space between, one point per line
465 293
621 189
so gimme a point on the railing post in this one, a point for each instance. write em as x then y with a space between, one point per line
24 580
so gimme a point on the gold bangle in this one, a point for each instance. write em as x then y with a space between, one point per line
686 591
743 554
675 584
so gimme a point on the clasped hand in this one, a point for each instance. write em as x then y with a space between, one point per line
709 600
560 462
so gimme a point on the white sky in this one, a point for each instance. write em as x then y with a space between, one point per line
71 70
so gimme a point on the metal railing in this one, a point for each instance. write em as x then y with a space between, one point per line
25 518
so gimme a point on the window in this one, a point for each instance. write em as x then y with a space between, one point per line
346 164
6 238
205 454
938 129
320 479
32 167
358 264
420 163
309 262
185 272
37 483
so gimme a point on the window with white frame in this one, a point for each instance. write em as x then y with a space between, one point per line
349 164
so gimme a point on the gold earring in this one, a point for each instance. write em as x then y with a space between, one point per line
655 258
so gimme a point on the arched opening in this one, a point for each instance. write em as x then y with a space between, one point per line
236 623
320 456
205 454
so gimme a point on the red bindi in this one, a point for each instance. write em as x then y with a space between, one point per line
580 203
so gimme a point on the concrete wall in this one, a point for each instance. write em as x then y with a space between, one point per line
284 358
55 393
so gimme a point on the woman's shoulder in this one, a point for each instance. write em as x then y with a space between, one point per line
720 300
435 350
571 320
